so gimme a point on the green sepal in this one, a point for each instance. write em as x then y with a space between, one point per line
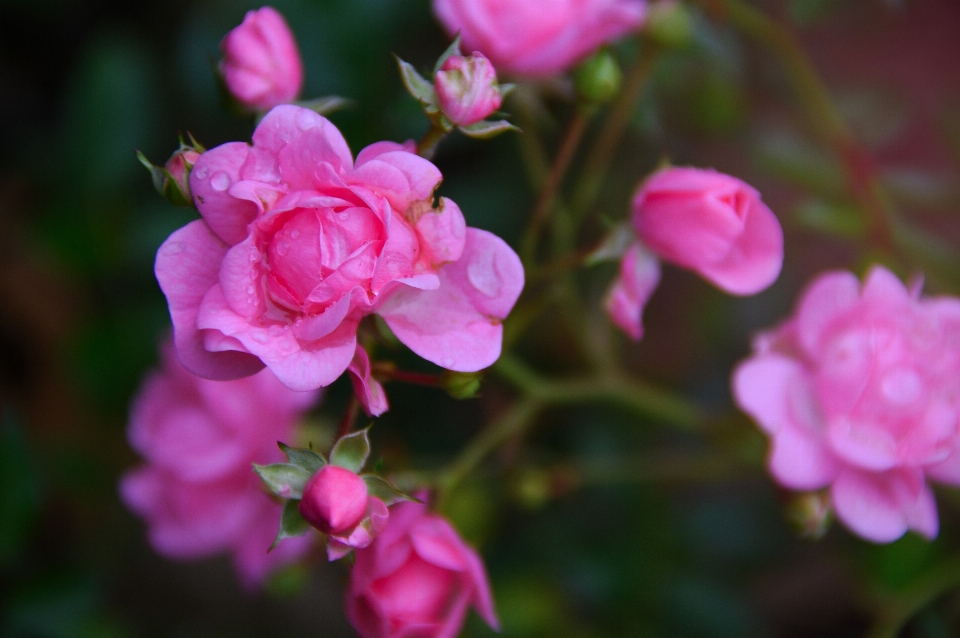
378 487
157 173
461 385
506 89
291 523
351 451
416 84
286 480
164 183
452 50
302 457
614 246
485 130
327 105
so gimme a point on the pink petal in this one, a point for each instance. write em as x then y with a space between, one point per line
638 278
829 296
865 504
760 387
436 542
287 122
187 267
240 277
317 364
459 325
442 233
379 148
881 285
863 444
398 176
210 181
799 461
367 389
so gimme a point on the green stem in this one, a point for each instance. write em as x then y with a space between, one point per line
893 615
630 394
661 466
602 152
548 193
427 146
515 421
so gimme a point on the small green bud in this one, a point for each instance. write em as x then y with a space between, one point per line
461 385
669 24
810 514
598 78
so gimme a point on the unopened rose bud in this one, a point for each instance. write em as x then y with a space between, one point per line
334 500
467 89
172 180
669 24
810 514
598 78
261 63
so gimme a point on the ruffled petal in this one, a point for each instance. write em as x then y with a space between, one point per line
210 181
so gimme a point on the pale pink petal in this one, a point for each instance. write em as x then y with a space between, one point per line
917 502
761 389
799 461
300 158
187 267
459 325
436 542
638 277
881 285
863 444
317 364
864 503
259 339
210 181
379 148
946 471
240 279
829 296
367 389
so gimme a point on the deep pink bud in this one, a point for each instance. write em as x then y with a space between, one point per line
261 64
467 89
334 500
713 224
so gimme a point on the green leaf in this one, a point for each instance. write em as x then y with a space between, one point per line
351 451
302 457
452 50
485 130
284 479
378 487
418 86
327 105
291 523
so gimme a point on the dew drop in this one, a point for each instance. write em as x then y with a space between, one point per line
482 274
201 172
447 363
220 181
344 216
305 119
260 336
294 233
283 248
174 248
250 290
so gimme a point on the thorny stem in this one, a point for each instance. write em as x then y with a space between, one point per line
893 615
602 152
860 172
548 193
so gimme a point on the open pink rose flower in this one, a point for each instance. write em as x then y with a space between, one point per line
261 64
860 392
536 39
418 578
712 223
199 438
297 243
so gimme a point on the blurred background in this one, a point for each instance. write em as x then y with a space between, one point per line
599 524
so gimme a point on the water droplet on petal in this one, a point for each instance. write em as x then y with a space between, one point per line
283 248
344 216
305 119
447 363
294 233
201 172
173 248
220 181
261 336
250 290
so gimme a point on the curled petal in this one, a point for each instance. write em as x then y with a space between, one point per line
368 390
638 278
210 181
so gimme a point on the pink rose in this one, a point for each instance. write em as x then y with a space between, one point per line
467 89
197 490
713 224
538 38
298 243
860 392
261 64
417 579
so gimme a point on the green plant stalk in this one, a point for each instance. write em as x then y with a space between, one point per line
601 154
893 614
427 146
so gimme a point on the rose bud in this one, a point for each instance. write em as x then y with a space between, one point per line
261 65
467 89
334 500
178 169
713 224
417 579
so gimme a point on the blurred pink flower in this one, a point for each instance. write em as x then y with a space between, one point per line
638 278
467 89
298 243
538 38
860 391
261 64
713 224
417 579
197 490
